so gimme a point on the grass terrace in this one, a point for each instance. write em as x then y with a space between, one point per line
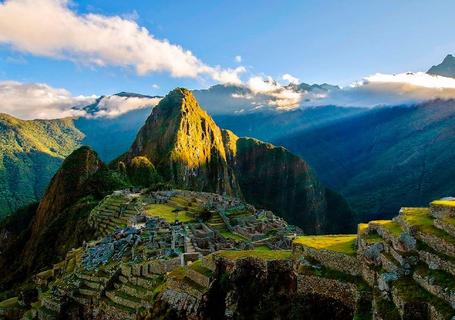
344 243
9 303
420 219
197 266
256 253
233 236
409 290
168 213
447 203
392 226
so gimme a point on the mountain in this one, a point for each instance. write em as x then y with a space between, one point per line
188 149
385 158
31 151
59 222
446 68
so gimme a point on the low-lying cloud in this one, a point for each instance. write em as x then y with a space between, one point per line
390 89
50 28
375 90
113 106
41 101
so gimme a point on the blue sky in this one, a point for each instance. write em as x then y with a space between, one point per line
316 41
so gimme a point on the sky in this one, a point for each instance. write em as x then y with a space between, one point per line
102 47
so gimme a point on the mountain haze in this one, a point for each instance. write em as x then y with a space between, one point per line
385 158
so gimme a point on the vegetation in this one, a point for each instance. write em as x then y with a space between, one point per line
419 218
11 302
390 225
168 213
260 254
448 203
231 235
337 243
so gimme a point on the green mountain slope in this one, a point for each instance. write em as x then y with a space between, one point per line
385 158
30 153
43 233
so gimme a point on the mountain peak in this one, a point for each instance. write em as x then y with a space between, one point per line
446 68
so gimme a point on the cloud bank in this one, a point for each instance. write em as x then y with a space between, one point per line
113 106
390 89
375 90
50 28
41 101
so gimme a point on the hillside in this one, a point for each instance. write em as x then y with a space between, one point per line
204 256
30 153
385 158
40 234
188 149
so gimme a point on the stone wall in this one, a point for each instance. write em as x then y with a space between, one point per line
345 292
435 262
441 211
332 260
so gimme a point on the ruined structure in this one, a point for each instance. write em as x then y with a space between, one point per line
191 255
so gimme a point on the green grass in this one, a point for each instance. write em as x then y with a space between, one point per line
420 219
344 243
233 236
9 303
447 203
262 248
197 266
372 238
167 213
409 290
392 226
260 254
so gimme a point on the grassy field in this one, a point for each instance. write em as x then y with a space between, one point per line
261 254
390 225
8 303
229 235
167 213
344 243
448 203
420 218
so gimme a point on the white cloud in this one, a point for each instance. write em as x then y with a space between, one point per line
50 28
155 86
390 89
238 59
267 91
289 78
113 106
39 101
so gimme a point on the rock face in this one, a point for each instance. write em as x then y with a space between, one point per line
185 145
188 149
